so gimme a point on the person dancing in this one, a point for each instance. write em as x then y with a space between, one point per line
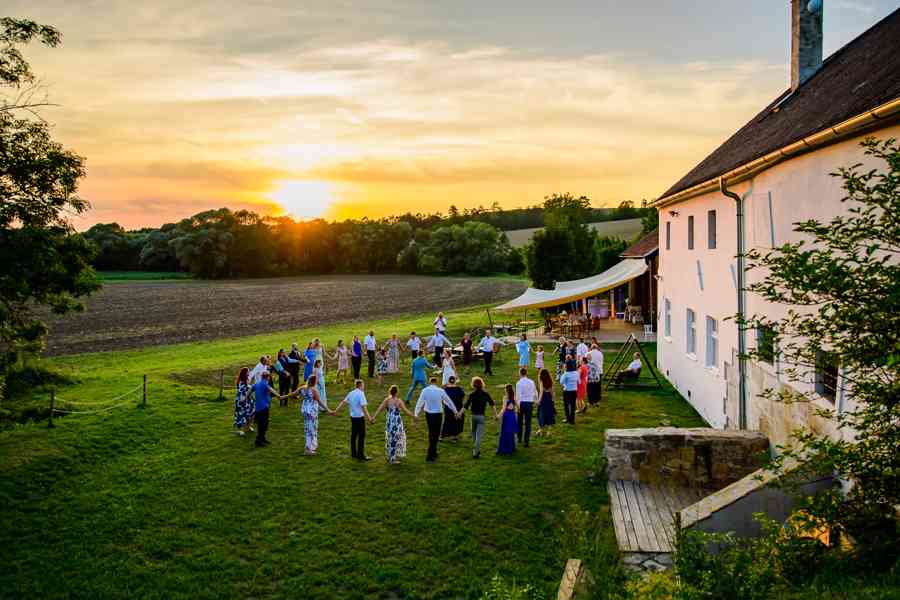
546 407
342 355
509 424
243 406
477 402
394 432
310 405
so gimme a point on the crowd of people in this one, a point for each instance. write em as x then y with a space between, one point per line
444 403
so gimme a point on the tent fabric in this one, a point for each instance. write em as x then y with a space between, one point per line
578 289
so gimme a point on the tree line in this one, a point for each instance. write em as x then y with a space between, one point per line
223 243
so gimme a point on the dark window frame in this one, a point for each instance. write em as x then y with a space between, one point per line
690 235
711 230
668 235
827 373
765 344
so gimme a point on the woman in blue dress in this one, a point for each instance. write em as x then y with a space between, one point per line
546 407
311 356
243 405
509 423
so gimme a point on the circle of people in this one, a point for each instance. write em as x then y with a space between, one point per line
579 372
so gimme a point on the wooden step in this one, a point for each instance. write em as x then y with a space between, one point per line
643 514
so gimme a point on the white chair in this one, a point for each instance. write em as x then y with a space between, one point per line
648 333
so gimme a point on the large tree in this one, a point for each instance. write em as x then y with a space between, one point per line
841 283
42 260
566 248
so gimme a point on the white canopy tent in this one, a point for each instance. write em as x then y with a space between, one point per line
579 289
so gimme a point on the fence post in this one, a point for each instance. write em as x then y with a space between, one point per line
52 398
144 401
221 384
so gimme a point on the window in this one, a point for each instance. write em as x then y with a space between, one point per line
691 333
668 317
668 235
691 232
711 229
826 375
765 344
712 342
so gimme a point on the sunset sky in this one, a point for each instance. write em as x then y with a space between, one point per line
346 109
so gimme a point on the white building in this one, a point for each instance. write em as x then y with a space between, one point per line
778 165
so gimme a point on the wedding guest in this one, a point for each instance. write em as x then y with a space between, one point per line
243 404
312 402
394 432
342 355
546 406
440 323
487 345
539 358
569 381
263 392
420 366
526 394
562 351
432 400
371 346
524 350
319 374
477 403
281 365
381 364
359 414
580 350
261 367
632 371
453 427
581 390
509 425
437 343
594 386
448 367
296 359
356 356
597 359
466 344
393 354
414 345
311 355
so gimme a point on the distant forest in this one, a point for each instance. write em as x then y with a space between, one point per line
223 243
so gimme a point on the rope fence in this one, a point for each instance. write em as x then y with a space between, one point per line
87 407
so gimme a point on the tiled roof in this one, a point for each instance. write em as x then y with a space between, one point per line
859 77
644 247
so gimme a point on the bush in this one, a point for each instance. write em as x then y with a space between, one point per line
501 589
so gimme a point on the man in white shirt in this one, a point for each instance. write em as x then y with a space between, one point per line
414 344
432 400
526 395
369 343
596 358
437 343
261 367
633 370
359 414
581 350
440 323
486 345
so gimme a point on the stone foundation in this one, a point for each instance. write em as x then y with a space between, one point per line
698 457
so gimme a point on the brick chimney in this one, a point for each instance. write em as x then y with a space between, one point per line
806 40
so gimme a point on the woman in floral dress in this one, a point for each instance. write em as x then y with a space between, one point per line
342 355
243 405
393 364
309 407
394 432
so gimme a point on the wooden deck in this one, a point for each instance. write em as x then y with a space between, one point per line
643 514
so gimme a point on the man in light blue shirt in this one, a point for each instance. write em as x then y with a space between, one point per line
569 380
420 366
359 414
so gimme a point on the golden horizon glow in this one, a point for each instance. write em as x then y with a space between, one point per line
304 199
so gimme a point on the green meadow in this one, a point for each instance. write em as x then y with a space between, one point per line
167 501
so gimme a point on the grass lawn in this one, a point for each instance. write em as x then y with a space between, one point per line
168 502
107 276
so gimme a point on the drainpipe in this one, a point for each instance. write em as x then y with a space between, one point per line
741 305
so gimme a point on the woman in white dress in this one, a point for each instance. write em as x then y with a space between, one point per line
449 367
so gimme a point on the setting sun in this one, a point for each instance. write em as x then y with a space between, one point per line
304 199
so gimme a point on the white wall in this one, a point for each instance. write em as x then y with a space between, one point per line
799 189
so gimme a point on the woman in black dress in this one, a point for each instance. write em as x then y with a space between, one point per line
466 344
453 427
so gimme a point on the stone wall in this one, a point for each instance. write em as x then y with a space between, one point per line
699 457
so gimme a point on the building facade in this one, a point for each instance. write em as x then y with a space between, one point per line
780 166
